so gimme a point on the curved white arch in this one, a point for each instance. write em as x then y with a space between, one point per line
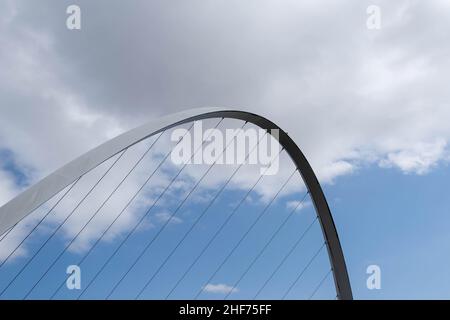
25 203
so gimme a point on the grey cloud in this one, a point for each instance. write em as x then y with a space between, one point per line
347 94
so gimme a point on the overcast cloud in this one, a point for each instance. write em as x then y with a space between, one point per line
349 96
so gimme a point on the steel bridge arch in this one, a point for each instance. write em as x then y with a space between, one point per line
31 199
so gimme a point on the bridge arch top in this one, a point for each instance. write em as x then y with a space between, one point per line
32 198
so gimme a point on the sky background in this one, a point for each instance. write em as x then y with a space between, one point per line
369 108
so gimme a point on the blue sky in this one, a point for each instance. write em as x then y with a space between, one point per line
198 277
407 239
369 108
400 223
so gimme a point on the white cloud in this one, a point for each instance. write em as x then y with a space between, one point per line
8 187
163 217
297 204
68 98
219 289
419 159
348 96
334 170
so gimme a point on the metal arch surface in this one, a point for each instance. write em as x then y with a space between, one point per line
25 203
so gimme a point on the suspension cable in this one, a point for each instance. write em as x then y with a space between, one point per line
144 216
7 232
64 221
167 222
206 209
161 230
246 234
278 230
129 234
320 284
114 221
196 221
290 252
303 271
141 158
39 223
